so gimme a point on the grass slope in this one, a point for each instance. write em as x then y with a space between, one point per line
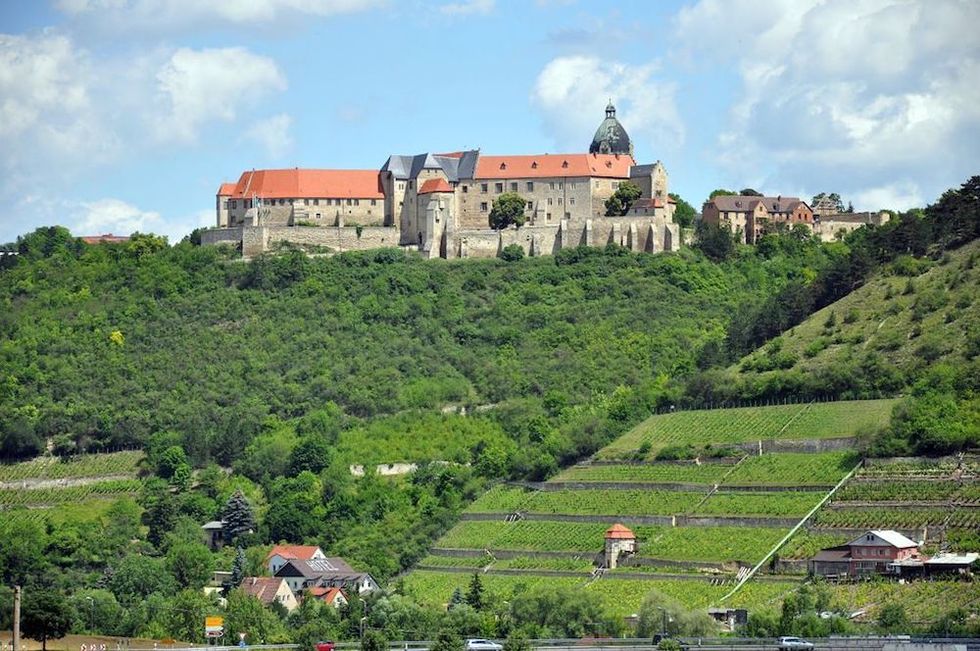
908 320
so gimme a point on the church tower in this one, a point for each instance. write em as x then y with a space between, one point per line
611 137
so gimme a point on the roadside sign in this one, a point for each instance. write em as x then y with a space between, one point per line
214 626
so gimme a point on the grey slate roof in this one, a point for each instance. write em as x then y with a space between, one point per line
409 167
319 568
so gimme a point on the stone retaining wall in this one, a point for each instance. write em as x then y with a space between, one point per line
663 520
798 445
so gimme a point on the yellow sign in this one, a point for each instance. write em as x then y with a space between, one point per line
214 621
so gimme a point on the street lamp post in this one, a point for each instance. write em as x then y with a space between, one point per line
363 619
91 613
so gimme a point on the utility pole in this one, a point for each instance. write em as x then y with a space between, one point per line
16 618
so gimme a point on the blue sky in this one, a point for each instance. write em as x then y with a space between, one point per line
122 115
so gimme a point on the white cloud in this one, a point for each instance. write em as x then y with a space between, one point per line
168 14
468 8
273 134
571 93
111 216
876 99
203 85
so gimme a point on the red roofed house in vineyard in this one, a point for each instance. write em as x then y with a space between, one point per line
619 541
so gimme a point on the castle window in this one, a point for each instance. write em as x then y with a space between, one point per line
552 184
318 215
483 206
560 201
513 186
534 165
466 189
561 185
530 185
503 166
568 215
234 203
615 185
498 187
350 202
550 200
547 217
282 202
401 186
357 202
483 187
571 201
316 202
411 184
400 204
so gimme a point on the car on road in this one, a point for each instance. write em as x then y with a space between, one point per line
794 644
479 644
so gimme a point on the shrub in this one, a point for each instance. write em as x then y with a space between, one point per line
512 253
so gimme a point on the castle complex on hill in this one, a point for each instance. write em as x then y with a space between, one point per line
440 204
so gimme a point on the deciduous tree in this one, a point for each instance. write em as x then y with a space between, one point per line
507 209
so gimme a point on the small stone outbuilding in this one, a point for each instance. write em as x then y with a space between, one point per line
619 541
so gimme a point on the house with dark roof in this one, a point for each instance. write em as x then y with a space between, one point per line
874 552
749 216
325 573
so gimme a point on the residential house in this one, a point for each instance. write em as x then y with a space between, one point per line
750 216
270 590
874 552
326 573
331 596
281 554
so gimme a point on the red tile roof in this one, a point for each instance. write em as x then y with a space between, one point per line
107 237
263 588
291 552
619 532
299 183
435 185
227 189
554 165
327 594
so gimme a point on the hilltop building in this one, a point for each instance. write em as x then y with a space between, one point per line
749 216
439 204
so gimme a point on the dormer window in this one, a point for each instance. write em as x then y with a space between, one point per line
503 166
564 164
534 165
608 163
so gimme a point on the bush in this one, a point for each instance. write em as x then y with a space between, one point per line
512 253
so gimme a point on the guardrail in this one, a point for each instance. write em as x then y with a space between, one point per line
834 643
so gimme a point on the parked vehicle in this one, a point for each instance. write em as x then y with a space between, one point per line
794 644
479 644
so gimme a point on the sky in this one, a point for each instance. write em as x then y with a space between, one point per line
126 115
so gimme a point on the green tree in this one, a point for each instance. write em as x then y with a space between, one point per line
238 516
716 242
512 253
172 461
246 614
474 594
313 453
684 212
622 199
658 610
721 192
517 642
750 192
191 564
893 619
45 615
374 640
833 197
507 209
239 567
135 577
456 598
447 640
